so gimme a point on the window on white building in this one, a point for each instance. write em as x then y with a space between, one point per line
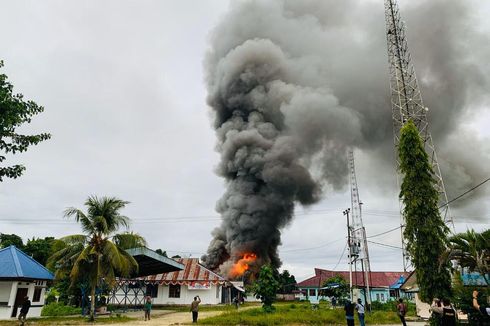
174 291
377 296
382 297
152 290
312 293
37 294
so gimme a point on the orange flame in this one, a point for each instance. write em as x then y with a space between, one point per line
242 265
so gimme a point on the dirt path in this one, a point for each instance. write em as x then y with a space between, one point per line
170 318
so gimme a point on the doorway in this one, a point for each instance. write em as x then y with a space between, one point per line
19 299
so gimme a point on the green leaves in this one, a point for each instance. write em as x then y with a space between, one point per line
98 255
14 112
265 288
425 231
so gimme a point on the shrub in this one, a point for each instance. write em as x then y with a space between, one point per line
59 309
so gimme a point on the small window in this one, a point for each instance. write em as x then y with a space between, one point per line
382 297
37 294
377 296
312 293
174 291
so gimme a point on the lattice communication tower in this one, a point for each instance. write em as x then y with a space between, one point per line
358 248
406 98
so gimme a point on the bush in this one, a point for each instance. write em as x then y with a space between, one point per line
59 309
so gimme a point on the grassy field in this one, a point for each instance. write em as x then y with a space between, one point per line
68 321
295 314
220 307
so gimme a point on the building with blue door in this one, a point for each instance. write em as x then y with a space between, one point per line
21 276
384 286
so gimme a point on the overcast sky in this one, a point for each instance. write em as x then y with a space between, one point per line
124 97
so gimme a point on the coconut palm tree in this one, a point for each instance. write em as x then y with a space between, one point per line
98 254
472 250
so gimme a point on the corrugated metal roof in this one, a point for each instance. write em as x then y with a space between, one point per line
377 279
15 264
192 273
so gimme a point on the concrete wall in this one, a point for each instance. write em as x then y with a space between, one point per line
8 292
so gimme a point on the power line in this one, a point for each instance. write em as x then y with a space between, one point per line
385 245
312 248
464 193
391 230
340 258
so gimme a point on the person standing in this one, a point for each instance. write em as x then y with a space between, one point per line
195 308
360 311
485 311
349 313
147 308
401 309
334 302
24 310
447 312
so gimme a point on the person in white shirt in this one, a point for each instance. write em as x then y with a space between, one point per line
360 311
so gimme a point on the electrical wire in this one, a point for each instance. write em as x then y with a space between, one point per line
464 193
391 230
384 245
340 258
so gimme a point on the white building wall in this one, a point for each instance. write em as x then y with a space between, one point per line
8 292
208 296
212 295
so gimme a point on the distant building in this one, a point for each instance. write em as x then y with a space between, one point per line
21 276
177 287
384 286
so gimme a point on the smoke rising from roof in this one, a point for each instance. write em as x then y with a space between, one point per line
292 84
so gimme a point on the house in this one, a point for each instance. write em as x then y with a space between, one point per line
21 276
176 287
383 286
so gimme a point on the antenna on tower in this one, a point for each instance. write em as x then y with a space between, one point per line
358 248
406 101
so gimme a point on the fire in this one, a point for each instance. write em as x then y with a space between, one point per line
242 265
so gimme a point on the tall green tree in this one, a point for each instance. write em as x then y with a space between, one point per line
425 231
265 288
97 254
287 282
14 112
472 250
39 249
11 239
337 287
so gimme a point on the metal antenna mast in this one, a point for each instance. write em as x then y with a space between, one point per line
358 247
406 99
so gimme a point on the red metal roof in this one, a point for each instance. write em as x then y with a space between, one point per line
377 279
192 273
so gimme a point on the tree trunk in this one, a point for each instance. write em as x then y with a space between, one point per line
92 303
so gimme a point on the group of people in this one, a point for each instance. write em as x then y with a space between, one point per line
194 308
444 309
349 312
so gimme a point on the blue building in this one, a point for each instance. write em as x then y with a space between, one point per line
21 276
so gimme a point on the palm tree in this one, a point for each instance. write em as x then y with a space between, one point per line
471 250
98 254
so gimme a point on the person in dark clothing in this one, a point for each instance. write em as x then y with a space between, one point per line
195 308
349 313
447 312
401 309
334 302
485 311
24 310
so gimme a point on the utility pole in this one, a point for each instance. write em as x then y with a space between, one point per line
349 244
406 101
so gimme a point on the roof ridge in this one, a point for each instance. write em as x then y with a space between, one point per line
33 260
18 268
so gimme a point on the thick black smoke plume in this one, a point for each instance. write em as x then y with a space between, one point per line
294 83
